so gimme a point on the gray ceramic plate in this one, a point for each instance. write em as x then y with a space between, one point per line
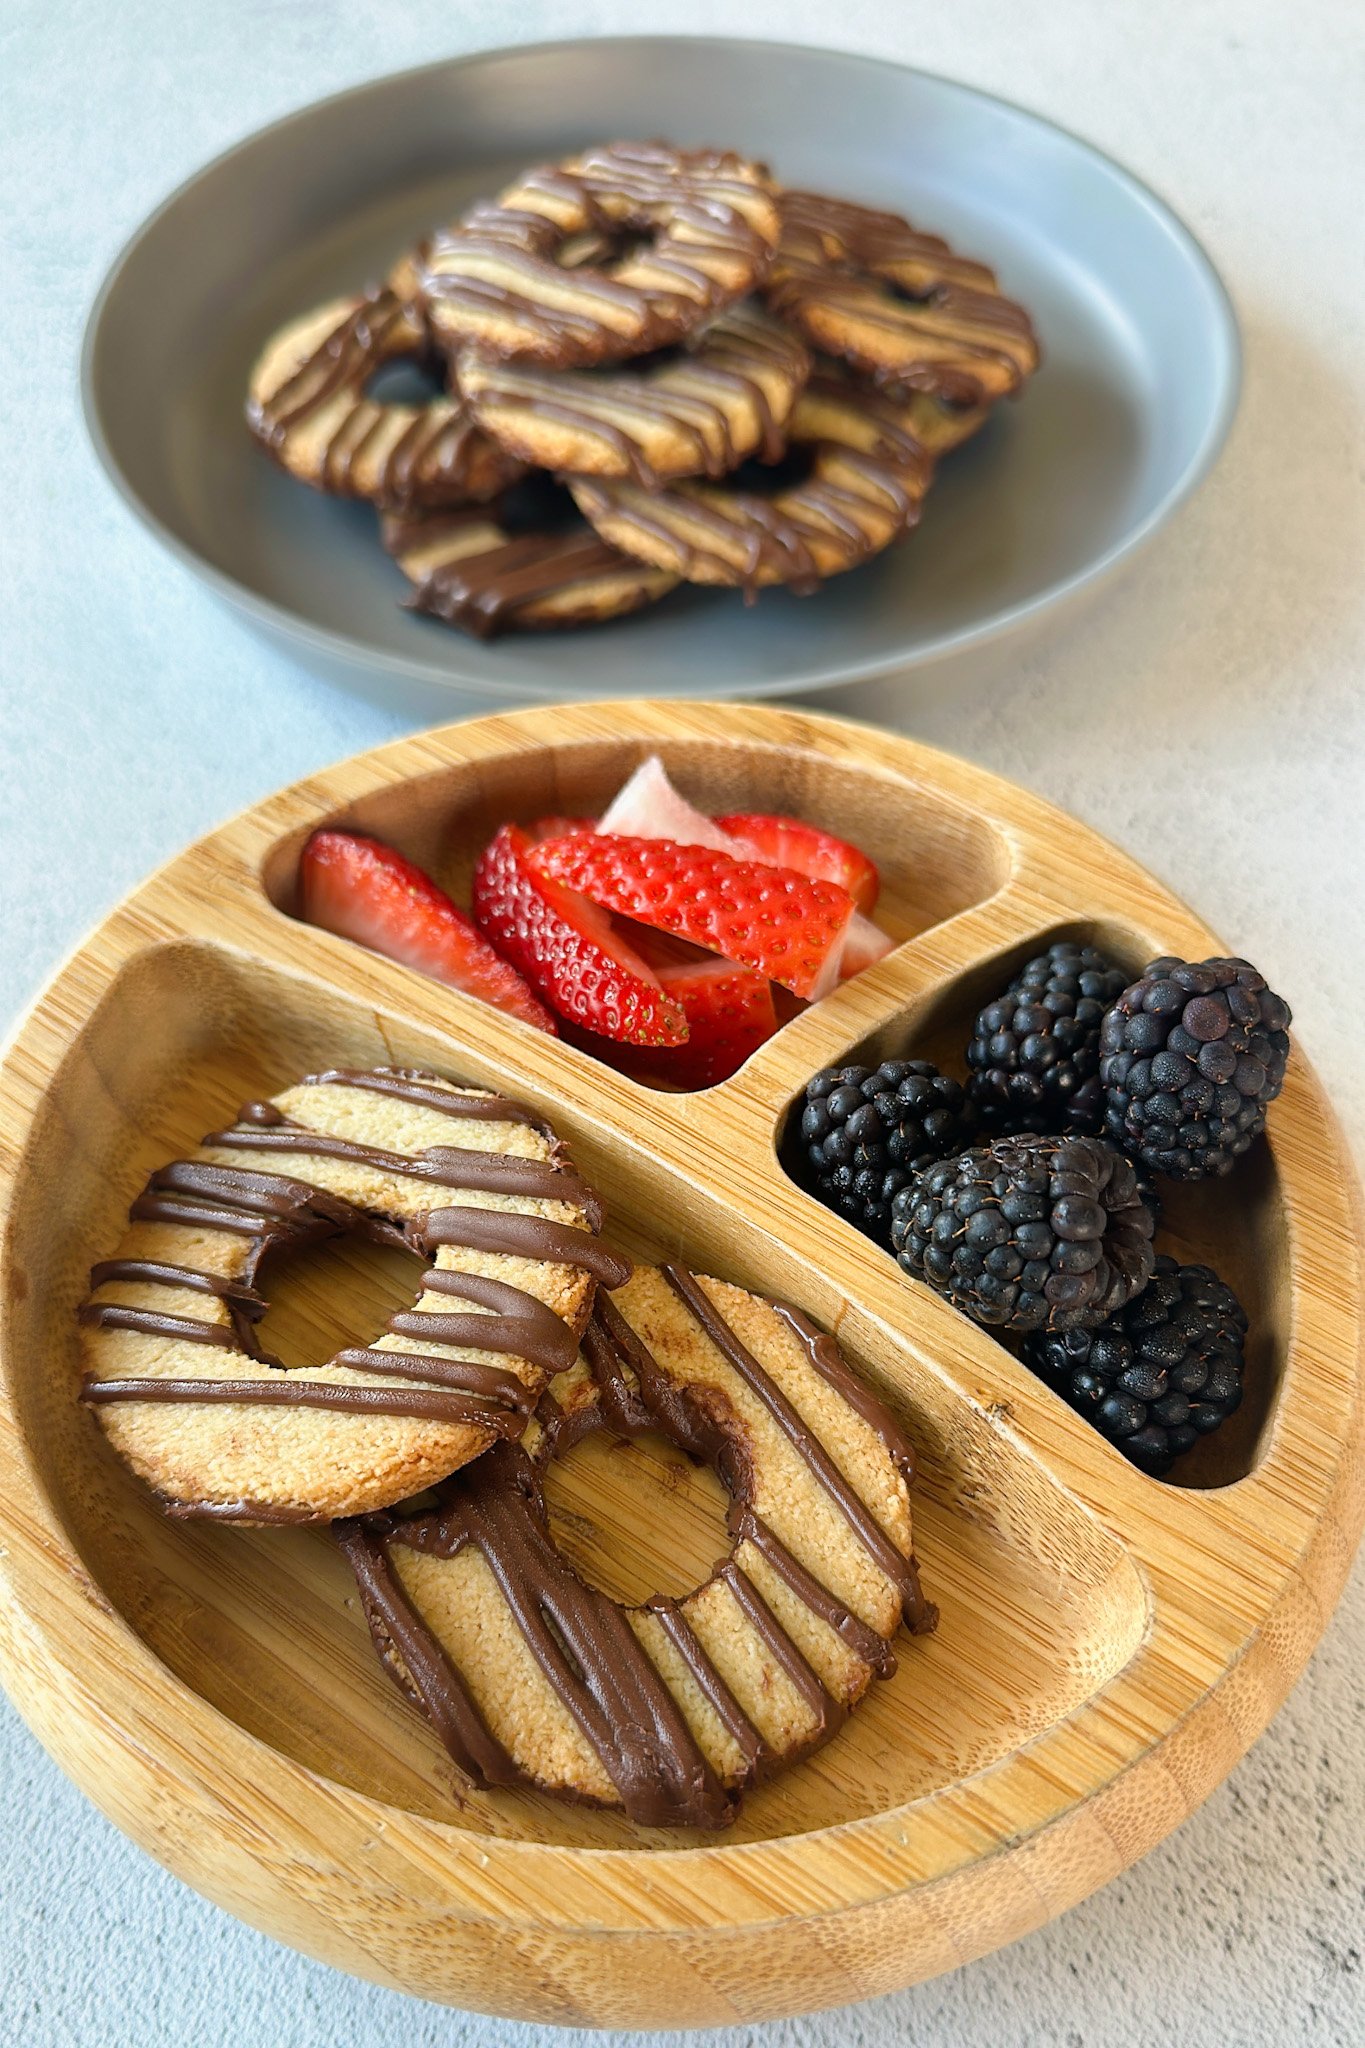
1125 418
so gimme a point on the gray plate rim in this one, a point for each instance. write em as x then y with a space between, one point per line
342 647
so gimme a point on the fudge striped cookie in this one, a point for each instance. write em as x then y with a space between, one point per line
478 1186
309 406
857 468
681 234
897 304
669 1708
527 562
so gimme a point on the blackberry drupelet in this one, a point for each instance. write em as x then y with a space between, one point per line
1190 1056
1028 1232
1164 1371
1149 1192
865 1129
1035 1050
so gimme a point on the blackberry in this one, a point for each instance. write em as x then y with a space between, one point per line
1035 1051
1149 1192
1190 1056
866 1129
1028 1232
1164 1371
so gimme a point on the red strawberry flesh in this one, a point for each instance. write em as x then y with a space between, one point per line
566 948
362 890
558 828
786 926
792 843
730 1013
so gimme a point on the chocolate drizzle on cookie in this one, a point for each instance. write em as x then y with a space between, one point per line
277 1211
866 474
528 559
581 1640
487 591
596 1663
451 1166
293 1390
814 224
697 409
340 362
409 1084
403 456
855 1511
709 223
428 1673
898 304
527 1237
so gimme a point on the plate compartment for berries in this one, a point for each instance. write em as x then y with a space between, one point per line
1109 1644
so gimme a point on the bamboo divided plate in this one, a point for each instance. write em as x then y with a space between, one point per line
1109 1646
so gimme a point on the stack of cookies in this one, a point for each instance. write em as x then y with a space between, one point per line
653 366
426 1450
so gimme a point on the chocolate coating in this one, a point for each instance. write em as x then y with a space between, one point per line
279 1211
594 1661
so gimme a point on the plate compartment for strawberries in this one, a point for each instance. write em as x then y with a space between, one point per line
1109 1645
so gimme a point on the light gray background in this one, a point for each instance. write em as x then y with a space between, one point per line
1207 713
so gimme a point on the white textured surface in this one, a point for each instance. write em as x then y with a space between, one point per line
1208 713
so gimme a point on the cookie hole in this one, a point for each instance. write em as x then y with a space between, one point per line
406 381
536 504
636 1515
903 295
601 250
636 367
769 479
331 1295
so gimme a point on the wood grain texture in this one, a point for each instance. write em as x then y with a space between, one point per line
1109 1646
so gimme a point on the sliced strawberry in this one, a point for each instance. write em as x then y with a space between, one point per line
567 948
791 843
649 807
362 890
729 1013
787 926
557 828
864 945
